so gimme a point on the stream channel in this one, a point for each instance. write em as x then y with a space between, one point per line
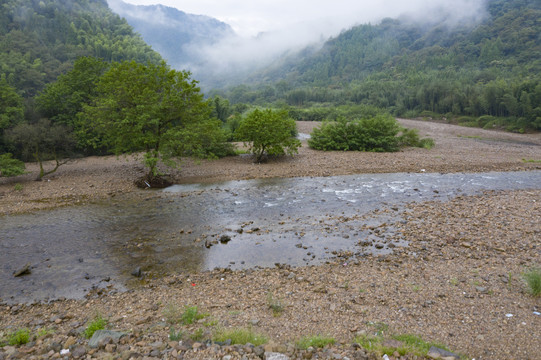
296 221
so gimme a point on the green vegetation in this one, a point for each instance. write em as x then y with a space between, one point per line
172 313
19 337
317 341
533 280
485 74
378 133
268 132
18 187
98 323
409 345
174 335
191 314
240 336
9 166
275 304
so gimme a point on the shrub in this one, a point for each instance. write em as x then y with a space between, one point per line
9 166
98 323
533 279
376 133
19 337
191 315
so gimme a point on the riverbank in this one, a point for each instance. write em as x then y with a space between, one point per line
458 283
458 149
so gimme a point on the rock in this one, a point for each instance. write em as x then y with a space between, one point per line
482 290
25 270
437 353
54 346
103 334
71 341
224 239
275 356
259 351
78 352
137 272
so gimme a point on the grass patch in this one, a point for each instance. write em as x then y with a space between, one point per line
19 337
240 336
408 345
531 161
275 304
316 341
191 314
18 187
98 323
533 280
174 335
172 313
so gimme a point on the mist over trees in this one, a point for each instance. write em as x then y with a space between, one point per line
485 75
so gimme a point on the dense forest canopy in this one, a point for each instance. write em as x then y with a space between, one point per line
40 39
484 74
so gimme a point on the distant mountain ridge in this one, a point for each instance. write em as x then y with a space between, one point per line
171 32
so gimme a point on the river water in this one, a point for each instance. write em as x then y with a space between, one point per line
294 221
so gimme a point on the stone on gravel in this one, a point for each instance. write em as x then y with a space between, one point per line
25 270
100 335
275 356
437 353
78 352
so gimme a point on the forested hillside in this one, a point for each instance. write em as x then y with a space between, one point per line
485 74
40 39
171 32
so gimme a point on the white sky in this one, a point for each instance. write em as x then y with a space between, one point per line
250 17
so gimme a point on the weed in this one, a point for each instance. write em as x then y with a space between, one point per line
379 327
175 336
453 281
416 288
533 279
275 304
531 161
172 313
240 336
19 337
191 315
411 345
317 341
18 187
44 332
98 323
198 335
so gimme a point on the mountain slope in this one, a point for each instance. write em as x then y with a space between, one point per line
490 68
40 39
172 32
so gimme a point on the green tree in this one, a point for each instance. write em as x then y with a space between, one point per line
43 141
11 110
269 133
154 109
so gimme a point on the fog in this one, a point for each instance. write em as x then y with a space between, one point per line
265 29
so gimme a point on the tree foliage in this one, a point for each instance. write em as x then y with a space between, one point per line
9 166
489 68
154 109
268 132
11 110
42 141
377 134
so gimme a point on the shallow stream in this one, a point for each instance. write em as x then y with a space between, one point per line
293 221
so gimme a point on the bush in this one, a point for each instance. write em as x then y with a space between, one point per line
20 337
98 323
376 133
191 314
410 137
533 279
9 166
269 133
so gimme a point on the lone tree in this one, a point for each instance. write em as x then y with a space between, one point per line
154 109
269 132
43 141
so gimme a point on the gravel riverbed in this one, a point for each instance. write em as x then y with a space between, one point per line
458 283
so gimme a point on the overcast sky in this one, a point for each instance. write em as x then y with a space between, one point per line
250 17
